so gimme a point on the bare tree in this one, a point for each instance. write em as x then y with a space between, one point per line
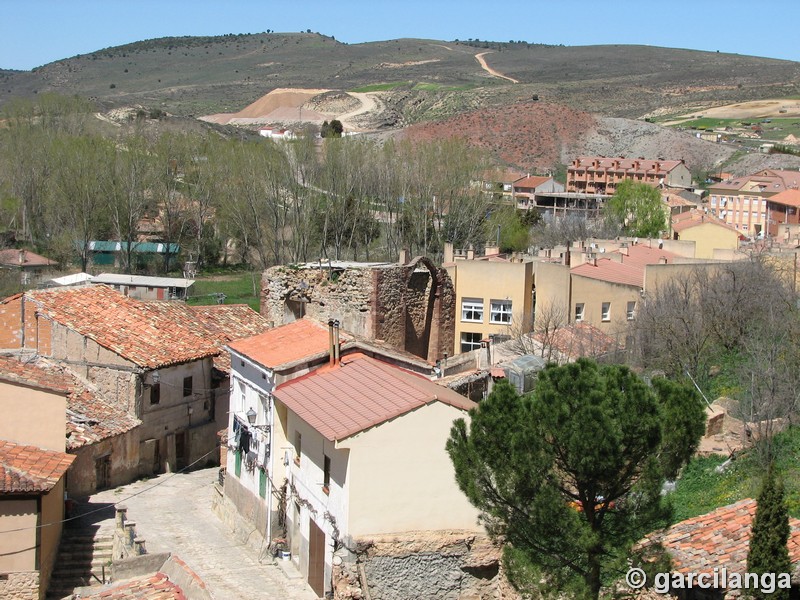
539 335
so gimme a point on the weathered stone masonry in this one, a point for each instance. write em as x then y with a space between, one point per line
408 306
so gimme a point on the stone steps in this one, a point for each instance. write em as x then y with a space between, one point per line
82 556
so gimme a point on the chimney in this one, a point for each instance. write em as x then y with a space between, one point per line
336 347
491 250
448 252
662 260
470 253
623 249
403 256
331 351
22 257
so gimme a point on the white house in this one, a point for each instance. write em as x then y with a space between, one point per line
340 449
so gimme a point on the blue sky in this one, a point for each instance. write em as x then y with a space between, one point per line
35 32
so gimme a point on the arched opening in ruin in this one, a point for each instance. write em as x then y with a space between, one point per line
422 308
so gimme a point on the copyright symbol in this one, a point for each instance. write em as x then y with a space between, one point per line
635 578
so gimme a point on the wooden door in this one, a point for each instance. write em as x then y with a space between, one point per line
180 450
316 559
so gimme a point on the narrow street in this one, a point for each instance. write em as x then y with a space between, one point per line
173 513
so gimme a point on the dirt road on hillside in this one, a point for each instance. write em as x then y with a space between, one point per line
490 70
369 103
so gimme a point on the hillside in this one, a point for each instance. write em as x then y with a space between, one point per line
538 136
418 79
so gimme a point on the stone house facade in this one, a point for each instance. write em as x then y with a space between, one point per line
154 360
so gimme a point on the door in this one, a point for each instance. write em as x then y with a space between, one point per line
180 450
102 472
316 559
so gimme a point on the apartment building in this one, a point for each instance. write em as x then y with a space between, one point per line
741 202
601 175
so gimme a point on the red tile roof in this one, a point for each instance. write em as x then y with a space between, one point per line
695 218
580 339
287 343
16 371
637 165
26 469
225 323
149 334
630 271
787 198
720 539
363 392
90 418
611 271
531 182
11 257
148 587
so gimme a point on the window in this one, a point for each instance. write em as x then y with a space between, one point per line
298 447
579 312
606 311
501 312
187 386
262 483
472 310
326 474
155 393
631 310
470 341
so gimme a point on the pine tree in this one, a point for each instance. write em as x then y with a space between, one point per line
769 535
570 475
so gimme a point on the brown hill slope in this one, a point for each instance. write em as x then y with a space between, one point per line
539 137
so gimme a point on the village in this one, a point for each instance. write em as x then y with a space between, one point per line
325 419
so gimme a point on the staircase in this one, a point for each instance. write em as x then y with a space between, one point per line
82 555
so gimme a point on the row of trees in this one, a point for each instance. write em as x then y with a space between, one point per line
63 183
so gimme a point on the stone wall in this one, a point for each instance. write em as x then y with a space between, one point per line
21 586
434 565
410 307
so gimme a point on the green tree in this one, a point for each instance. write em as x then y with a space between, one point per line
768 552
570 475
637 209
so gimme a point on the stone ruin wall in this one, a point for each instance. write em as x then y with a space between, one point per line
434 565
388 303
346 297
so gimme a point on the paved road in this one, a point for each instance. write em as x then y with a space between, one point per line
173 512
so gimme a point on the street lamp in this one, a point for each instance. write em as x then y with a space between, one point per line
251 415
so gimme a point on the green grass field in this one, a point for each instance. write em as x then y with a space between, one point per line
238 289
382 87
701 489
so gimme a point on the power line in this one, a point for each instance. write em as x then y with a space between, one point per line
140 492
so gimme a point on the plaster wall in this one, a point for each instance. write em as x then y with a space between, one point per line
401 478
18 548
20 404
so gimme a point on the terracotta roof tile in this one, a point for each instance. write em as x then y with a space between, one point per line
720 538
787 198
12 257
695 218
26 469
149 334
14 370
363 392
90 417
287 343
148 587
580 339
629 270
627 164
531 182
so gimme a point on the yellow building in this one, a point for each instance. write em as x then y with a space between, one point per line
708 233
32 444
494 293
